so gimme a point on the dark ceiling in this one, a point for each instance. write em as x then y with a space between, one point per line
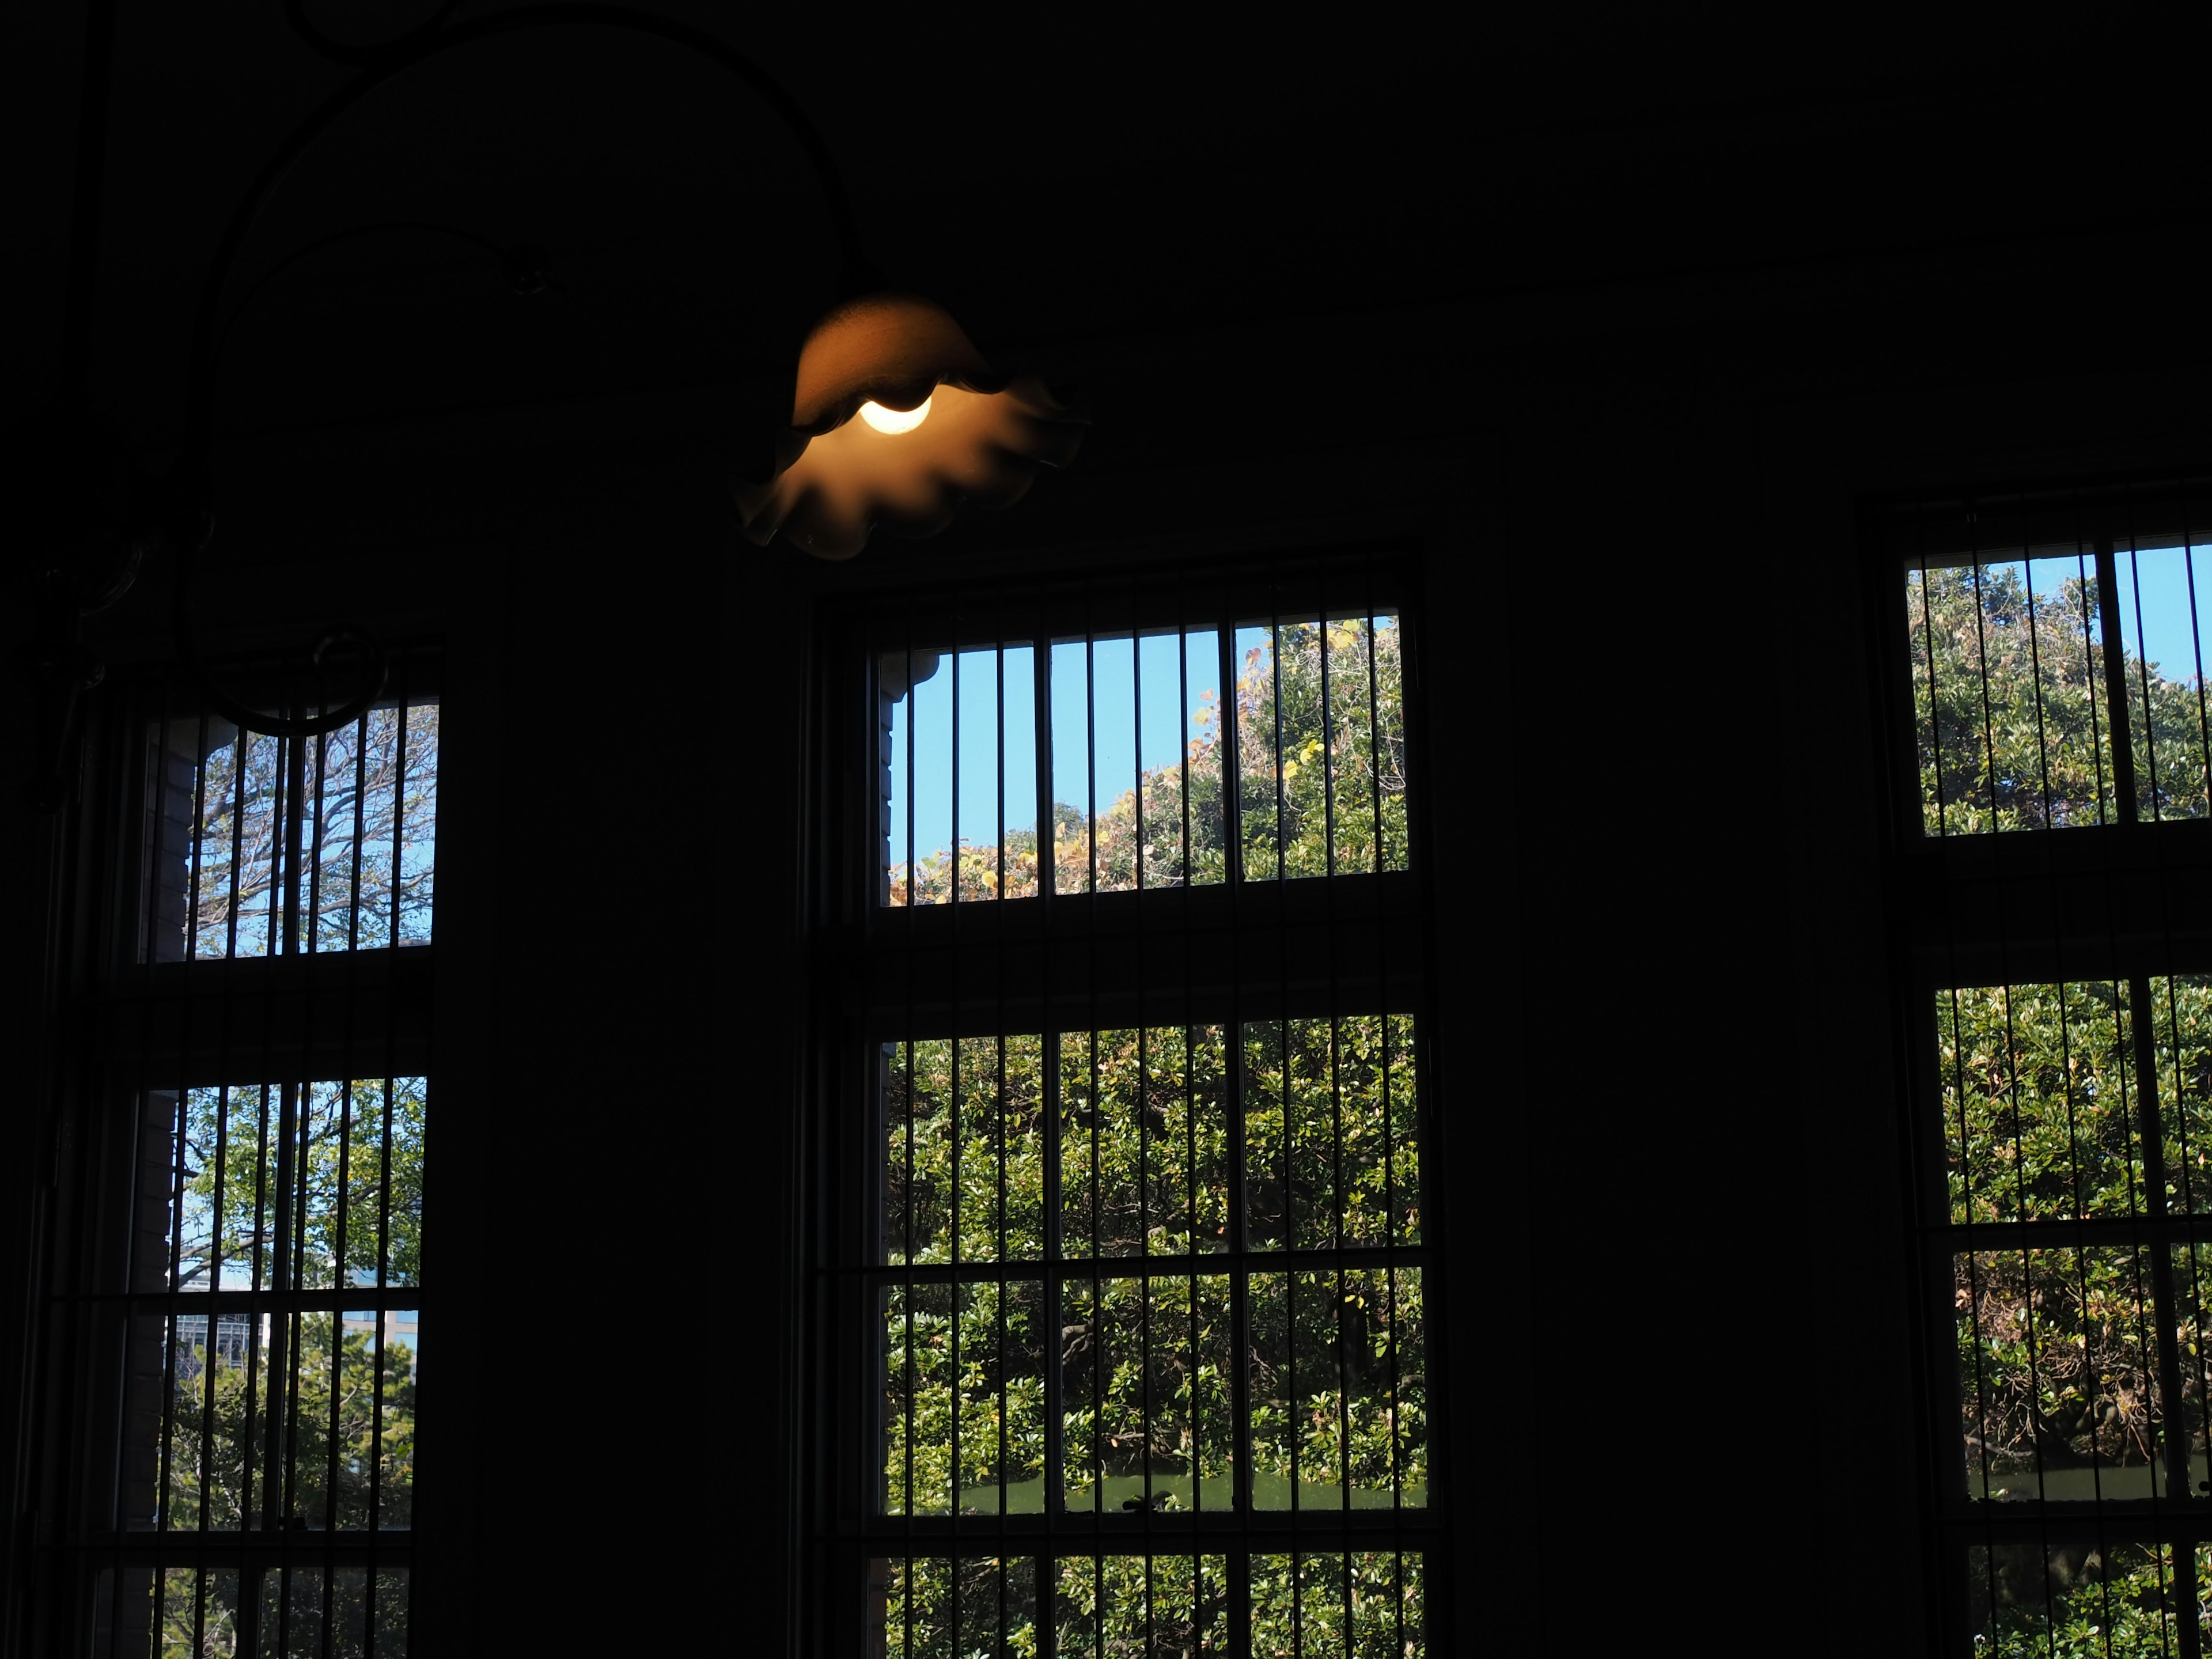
1067 188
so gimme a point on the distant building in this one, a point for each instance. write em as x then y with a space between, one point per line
235 1334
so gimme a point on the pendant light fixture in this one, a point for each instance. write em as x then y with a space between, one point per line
897 420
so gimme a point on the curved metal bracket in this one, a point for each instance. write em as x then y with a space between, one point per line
525 269
295 14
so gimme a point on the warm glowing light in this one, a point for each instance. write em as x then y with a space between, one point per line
895 420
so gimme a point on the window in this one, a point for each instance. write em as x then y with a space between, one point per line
2053 882
1131 1264
232 1321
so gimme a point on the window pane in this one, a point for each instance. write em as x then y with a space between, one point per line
963 1171
2180 1016
1320 746
964 1379
1143 1141
2090 1595
337 1167
2166 604
1136 763
1337 1390
1320 1604
1132 760
302 1423
1107 1606
2057 1368
304 1607
1313 1604
1331 1142
2041 1119
363 802
939 1607
2015 729
1147 1419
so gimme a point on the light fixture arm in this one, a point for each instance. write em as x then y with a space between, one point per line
191 518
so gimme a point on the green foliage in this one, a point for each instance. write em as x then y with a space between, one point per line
2044 1111
342 1457
1140 1607
2075 1599
1321 749
2015 729
1120 1142
354 1209
344 1453
298 1418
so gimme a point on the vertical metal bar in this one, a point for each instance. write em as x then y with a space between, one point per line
1094 1097
2035 669
342 1276
2143 677
1343 1338
999 1091
2116 680
957 1253
292 756
1144 1249
1328 747
314 906
277 1487
360 828
398 825
1988 718
913 1378
1350 1570
2196 649
2196 1258
913 902
1091 799
1239 1217
1934 704
2162 1298
1137 747
242 748
278 907
218 1235
384 1286
1051 1040
1282 804
1398 1594
199 841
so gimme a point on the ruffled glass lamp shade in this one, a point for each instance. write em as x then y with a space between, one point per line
897 420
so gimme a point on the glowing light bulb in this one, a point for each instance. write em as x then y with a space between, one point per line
895 420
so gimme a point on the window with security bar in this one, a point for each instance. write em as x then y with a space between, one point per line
2052 865
1139 1251
245 1346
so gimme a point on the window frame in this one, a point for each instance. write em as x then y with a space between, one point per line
154 1025
1974 909
871 956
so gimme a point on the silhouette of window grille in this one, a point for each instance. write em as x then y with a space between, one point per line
2046 672
1134 1253
266 1017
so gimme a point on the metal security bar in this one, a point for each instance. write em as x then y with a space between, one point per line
2058 1012
1135 1258
239 1310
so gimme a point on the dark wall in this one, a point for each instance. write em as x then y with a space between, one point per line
1692 338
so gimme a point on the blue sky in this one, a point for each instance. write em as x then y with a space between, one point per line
2159 580
1133 704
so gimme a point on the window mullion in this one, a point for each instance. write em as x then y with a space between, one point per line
2151 1132
2116 680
